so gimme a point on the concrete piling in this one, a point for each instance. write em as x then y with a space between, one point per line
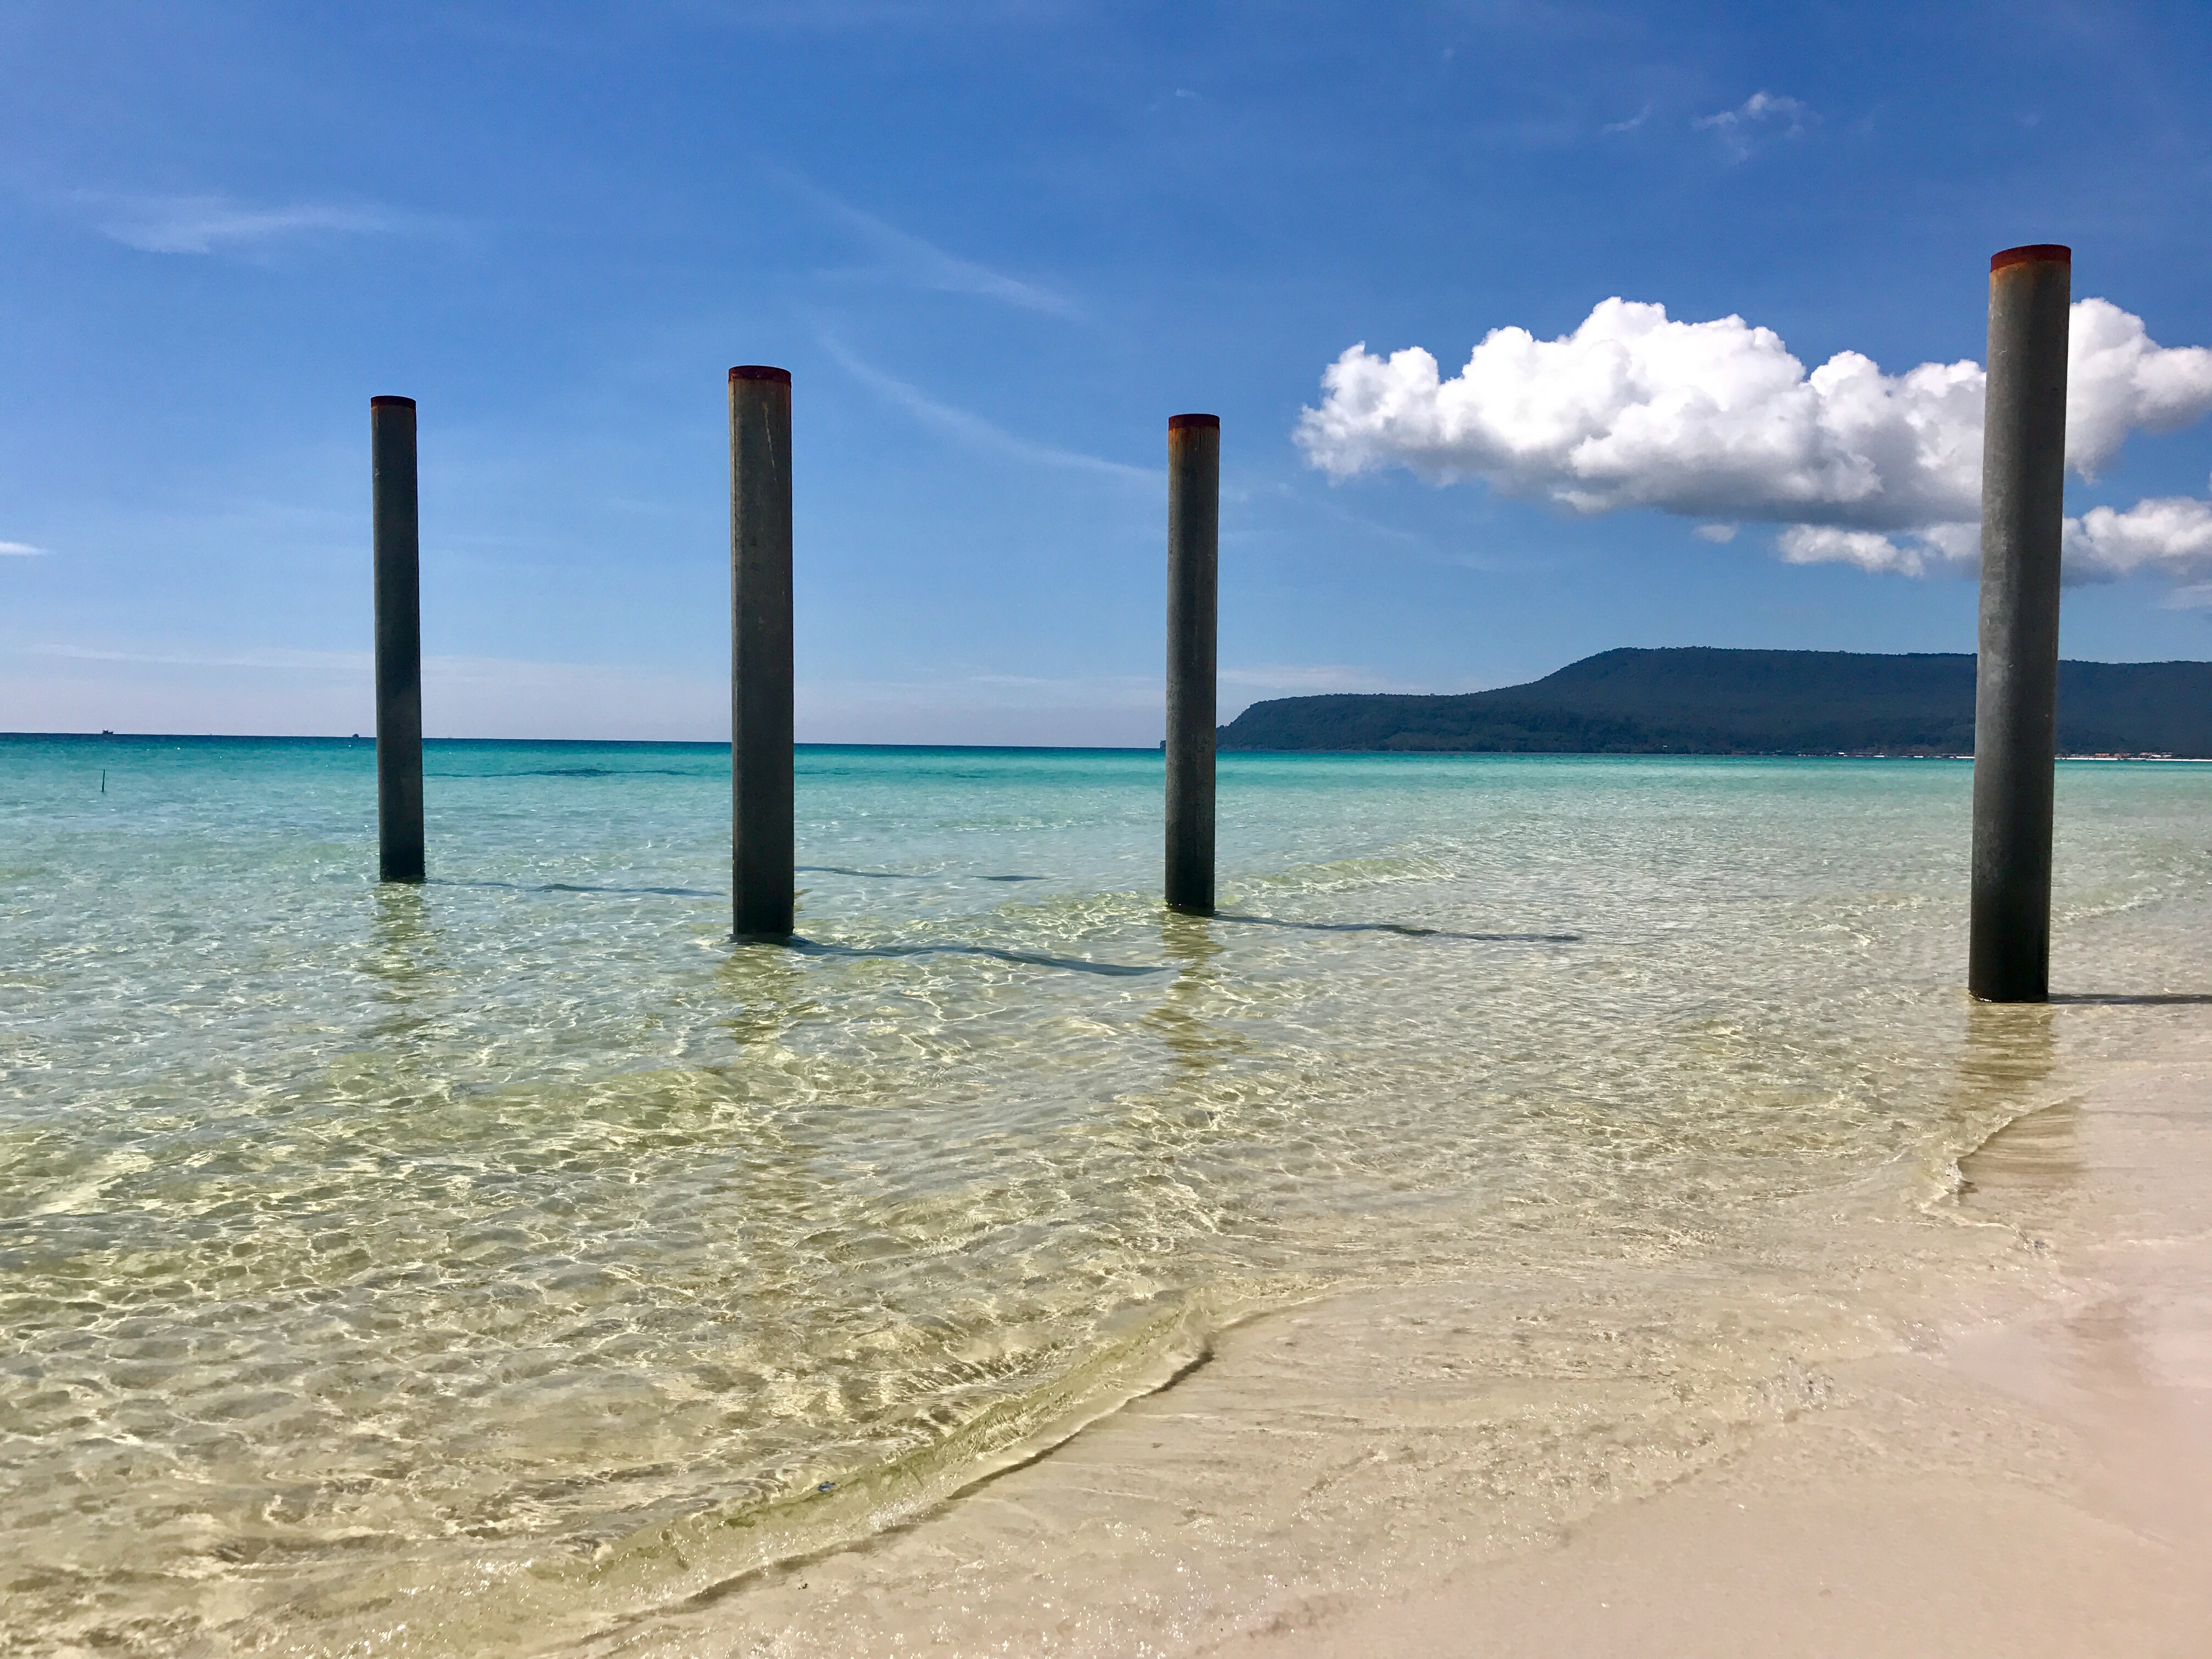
762 861
1194 563
2016 673
398 539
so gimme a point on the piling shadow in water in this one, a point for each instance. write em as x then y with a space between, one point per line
1031 958
699 892
583 772
2125 1000
900 875
1404 928
579 887
673 892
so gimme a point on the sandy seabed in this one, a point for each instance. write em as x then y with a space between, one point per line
2011 1456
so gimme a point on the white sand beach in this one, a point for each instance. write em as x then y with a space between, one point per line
2033 1481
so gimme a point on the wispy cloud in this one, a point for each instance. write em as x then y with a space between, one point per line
908 259
1762 117
973 431
946 705
1134 689
828 16
1307 678
205 224
280 659
19 550
1630 124
160 686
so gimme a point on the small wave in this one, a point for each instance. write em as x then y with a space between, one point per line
718 1552
1344 875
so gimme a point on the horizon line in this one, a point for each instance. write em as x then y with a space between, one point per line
657 743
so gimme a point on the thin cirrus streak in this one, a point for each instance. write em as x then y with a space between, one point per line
973 431
1717 421
837 17
206 223
279 658
916 260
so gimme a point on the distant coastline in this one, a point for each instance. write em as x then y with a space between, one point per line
1703 700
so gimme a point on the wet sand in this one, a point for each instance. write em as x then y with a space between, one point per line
2033 1479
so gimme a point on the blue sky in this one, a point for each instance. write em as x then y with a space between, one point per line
997 244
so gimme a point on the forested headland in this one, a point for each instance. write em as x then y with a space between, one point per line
1701 700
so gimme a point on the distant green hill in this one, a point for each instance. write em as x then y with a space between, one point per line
1697 701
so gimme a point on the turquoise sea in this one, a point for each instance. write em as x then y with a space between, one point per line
478 1266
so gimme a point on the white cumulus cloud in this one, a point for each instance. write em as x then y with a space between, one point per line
2119 379
1718 421
2171 533
24 550
1824 543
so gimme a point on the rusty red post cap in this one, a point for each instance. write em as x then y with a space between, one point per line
2033 254
760 372
392 403
1176 422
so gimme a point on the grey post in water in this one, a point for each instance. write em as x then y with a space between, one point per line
399 641
760 650
2016 674
1193 559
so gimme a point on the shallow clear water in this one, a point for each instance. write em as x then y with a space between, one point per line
502 1258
